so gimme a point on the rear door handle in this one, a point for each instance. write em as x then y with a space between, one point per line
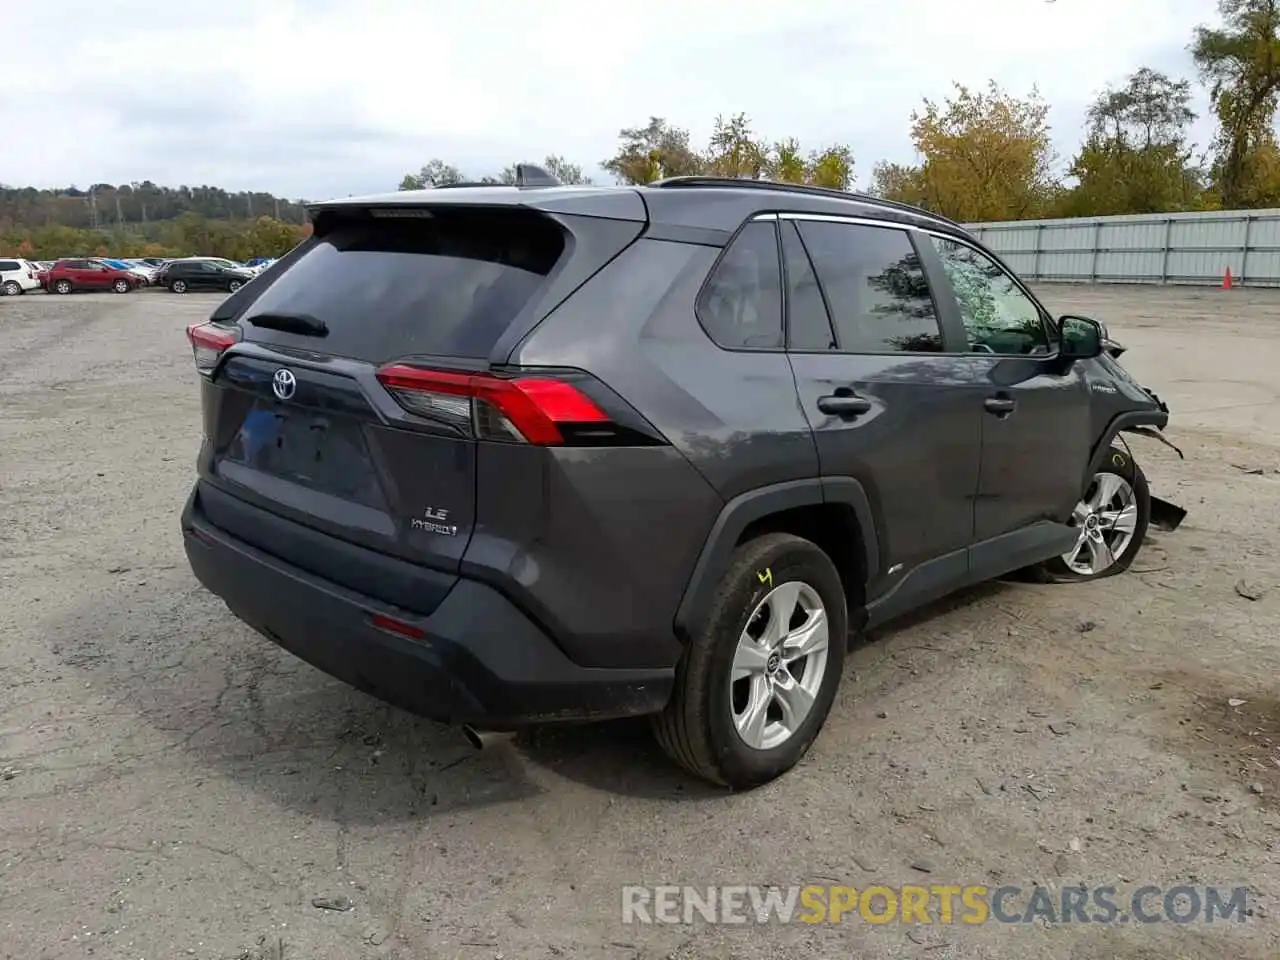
844 405
1000 406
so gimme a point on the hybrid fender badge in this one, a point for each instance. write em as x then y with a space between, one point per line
433 520
283 384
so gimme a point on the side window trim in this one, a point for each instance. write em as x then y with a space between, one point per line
817 282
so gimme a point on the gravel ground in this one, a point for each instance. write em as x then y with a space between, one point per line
171 785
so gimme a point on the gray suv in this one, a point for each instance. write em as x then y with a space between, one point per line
511 455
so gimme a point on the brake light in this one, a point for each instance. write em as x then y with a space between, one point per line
208 341
521 409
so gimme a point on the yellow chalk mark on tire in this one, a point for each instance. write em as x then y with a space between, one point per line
765 576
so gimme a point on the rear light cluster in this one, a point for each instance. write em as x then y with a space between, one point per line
538 410
208 341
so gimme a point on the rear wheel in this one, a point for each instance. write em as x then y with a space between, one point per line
757 682
62 286
177 286
11 288
122 286
235 285
1111 520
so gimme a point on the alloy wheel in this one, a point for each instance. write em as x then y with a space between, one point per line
778 665
1107 518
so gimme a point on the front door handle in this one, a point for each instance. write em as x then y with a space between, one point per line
844 405
1000 406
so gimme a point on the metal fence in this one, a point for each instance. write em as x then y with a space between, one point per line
1184 248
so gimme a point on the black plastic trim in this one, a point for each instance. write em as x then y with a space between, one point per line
743 510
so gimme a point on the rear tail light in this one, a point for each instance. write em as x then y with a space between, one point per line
208 341
535 410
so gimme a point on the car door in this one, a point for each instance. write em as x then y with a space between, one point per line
875 370
1036 428
207 275
96 276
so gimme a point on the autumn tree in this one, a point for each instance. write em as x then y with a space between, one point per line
554 164
434 173
983 155
652 152
1136 157
734 150
1240 63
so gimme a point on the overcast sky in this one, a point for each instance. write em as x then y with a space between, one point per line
317 98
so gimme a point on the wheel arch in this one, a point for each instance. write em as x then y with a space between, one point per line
833 512
1117 425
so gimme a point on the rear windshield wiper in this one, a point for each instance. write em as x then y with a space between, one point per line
300 323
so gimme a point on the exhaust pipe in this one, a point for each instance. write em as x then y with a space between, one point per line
480 739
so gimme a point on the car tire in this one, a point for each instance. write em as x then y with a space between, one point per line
11 288
1119 501
700 726
122 286
177 286
62 286
234 285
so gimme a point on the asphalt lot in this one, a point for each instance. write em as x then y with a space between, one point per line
171 785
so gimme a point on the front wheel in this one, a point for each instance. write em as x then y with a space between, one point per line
1111 521
121 286
756 683
11 289
235 285
177 286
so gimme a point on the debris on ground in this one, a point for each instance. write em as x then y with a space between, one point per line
340 904
1250 591
1256 788
1084 626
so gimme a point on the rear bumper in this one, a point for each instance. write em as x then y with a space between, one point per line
480 660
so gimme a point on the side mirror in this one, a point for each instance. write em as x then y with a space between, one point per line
1081 338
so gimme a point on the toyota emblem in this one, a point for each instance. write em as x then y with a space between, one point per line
283 384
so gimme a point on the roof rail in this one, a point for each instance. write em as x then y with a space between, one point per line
781 186
464 183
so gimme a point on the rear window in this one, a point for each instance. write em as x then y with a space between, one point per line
448 285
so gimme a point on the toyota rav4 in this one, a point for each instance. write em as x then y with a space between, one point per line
511 455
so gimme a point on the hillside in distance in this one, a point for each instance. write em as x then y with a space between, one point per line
103 206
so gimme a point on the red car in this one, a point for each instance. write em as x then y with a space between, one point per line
67 276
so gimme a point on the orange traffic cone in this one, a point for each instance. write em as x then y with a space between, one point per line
1226 279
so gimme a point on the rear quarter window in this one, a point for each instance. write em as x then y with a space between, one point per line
449 285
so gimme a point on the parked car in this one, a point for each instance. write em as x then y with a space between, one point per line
70 276
181 276
578 453
142 269
17 276
142 273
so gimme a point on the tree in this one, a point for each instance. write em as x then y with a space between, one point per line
1135 158
652 152
984 155
434 174
1240 64
556 165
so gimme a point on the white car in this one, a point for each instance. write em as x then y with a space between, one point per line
17 276
143 269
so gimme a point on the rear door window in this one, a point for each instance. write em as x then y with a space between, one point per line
448 284
873 281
